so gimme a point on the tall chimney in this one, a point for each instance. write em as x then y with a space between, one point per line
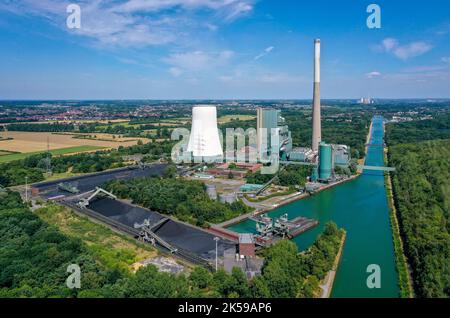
316 128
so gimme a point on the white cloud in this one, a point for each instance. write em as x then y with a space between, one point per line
407 51
279 78
389 44
411 50
446 59
136 23
175 71
226 78
373 74
196 61
266 51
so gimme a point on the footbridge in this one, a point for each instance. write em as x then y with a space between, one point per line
376 168
375 145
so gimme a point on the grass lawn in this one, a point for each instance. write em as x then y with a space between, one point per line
6 153
109 248
55 152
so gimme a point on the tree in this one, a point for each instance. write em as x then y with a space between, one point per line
200 277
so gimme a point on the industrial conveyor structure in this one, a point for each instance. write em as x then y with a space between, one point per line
148 235
84 202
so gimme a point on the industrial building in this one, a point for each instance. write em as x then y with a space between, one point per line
270 122
326 161
341 154
301 154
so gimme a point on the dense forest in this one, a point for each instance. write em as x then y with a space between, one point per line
185 199
421 186
290 176
421 130
286 273
34 258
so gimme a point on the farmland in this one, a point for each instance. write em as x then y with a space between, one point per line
55 152
23 144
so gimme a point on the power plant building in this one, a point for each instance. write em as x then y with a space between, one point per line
341 155
204 140
270 122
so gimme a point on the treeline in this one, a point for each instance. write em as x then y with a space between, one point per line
34 167
421 186
291 176
185 199
98 127
153 150
415 131
50 127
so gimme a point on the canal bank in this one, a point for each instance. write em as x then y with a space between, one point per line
361 208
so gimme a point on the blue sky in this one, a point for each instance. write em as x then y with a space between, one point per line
222 49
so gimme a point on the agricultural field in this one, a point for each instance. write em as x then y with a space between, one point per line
54 152
24 144
37 141
228 118
125 141
4 153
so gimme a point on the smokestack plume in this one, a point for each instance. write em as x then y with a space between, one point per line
316 128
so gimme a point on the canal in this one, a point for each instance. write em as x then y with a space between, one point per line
360 207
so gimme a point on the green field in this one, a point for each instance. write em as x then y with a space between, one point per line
54 152
228 118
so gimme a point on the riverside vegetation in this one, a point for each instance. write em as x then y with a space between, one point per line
421 189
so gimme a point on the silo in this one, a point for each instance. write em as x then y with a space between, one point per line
325 161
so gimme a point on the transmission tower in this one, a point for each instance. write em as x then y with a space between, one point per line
49 159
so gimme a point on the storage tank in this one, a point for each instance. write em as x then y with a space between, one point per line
325 161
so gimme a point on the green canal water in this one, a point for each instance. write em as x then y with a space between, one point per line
360 207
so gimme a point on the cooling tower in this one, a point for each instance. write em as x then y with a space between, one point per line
316 127
204 139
